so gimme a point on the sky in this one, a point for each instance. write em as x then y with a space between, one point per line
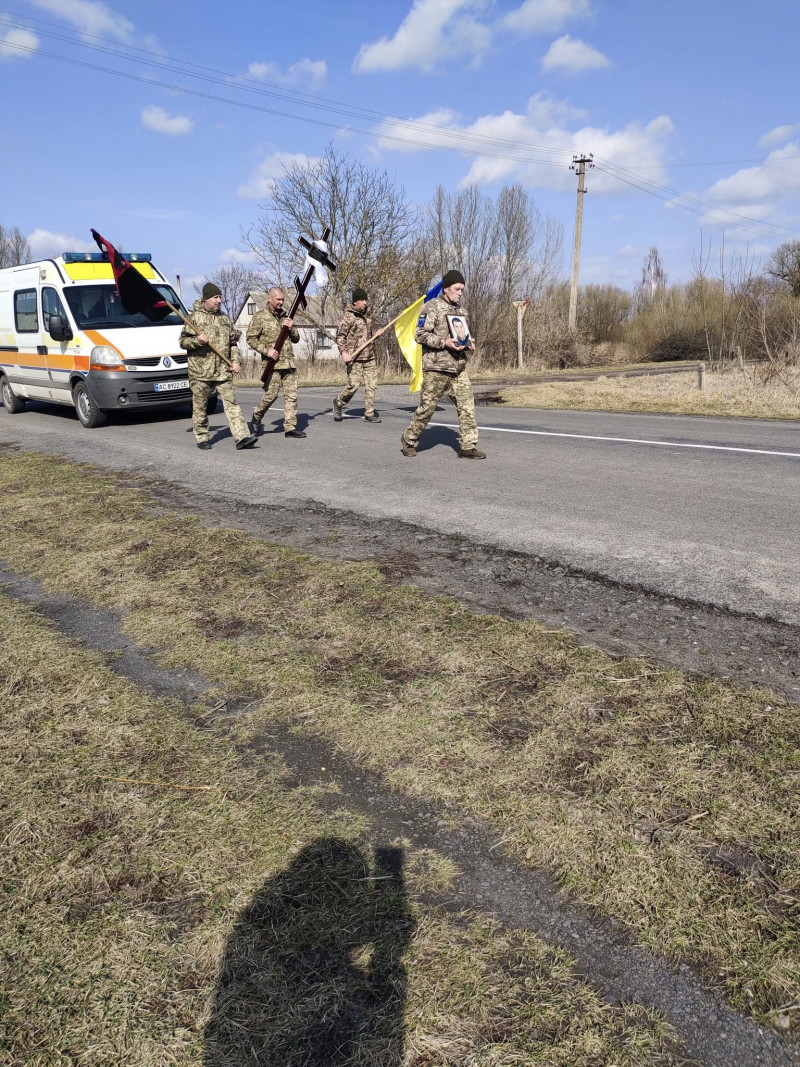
162 126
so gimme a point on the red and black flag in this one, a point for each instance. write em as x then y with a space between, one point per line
135 291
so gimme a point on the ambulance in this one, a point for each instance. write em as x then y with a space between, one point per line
65 338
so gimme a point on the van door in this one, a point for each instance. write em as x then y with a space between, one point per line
32 354
59 355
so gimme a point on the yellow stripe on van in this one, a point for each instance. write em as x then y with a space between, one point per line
90 272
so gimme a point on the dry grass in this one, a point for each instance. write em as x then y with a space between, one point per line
153 925
665 801
674 394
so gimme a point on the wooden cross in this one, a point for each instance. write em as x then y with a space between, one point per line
319 255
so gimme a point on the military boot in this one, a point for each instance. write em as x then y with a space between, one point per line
337 409
471 453
406 448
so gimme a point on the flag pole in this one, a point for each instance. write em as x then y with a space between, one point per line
375 336
194 328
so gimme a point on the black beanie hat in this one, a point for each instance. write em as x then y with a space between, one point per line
453 277
209 290
360 294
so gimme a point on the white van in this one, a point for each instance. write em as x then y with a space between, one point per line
66 338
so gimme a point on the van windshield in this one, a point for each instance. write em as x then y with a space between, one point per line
96 306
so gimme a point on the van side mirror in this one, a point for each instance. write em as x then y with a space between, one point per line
59 329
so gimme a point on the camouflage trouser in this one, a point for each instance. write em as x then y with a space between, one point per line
436 385
201 393
359 374
287 379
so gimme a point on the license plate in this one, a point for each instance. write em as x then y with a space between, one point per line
181 383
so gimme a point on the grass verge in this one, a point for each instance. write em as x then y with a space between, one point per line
216 916
665 801
673 394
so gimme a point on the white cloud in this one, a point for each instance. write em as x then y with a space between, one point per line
573 56
545 16
90 16
45 244
310 73
236 255
548 131
775 179
434 34
260 181
13 41
780 135
156 118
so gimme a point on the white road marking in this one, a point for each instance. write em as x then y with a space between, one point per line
618 440
627 440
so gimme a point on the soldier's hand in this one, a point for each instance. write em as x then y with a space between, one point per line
236 366
273 353
348 358
288 323
452 344
201 337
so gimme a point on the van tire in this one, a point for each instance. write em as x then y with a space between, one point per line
89 414
11 402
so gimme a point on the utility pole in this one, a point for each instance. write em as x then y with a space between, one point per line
579 164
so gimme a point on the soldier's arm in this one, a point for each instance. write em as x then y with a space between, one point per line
426 335
188 339
343 335
255 335
294 335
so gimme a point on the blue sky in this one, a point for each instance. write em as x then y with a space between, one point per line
684 105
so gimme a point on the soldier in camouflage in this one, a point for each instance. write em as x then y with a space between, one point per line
444 369
355 329
262 333
208 371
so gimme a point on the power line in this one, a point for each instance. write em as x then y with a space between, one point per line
474 142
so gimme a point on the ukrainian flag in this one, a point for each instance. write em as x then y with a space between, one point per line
404 329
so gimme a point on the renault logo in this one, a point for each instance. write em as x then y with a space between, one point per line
167 361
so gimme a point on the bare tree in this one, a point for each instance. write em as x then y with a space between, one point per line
372 225
506 250
235 281
784 265
14 247
653 283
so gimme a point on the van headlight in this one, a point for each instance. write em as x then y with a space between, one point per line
105 356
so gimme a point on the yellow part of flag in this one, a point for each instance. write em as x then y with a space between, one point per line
404 332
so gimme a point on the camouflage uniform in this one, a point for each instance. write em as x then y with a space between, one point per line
354 329
443 374
207 371
262 333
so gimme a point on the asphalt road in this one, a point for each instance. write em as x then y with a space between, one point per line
698 508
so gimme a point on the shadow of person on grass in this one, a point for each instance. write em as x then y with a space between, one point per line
312 974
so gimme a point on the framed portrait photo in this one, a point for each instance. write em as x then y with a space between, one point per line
459 330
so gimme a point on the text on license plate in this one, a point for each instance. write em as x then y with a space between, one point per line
180 383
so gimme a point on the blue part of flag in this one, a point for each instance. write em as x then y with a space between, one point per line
430 295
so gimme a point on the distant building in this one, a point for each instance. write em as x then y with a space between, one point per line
316 342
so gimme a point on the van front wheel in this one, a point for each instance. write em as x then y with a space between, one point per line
11 402
89 413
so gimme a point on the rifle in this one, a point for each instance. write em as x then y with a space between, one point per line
317 251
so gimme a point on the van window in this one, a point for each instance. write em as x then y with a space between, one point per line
25 311
51 305
99 307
